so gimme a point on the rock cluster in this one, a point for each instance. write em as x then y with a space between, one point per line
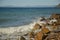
39 35
57 17
41 32
53 36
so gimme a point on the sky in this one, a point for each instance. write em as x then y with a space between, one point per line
28 3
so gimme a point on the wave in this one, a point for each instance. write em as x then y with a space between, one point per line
16 29
11 30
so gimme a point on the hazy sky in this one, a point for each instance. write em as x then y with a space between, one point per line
27 3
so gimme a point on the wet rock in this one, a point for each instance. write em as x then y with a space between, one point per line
22 38
25 34
45 30
36 26
31 34
38 36
58 23
42 19
54 27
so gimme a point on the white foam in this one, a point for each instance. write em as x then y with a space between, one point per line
10 30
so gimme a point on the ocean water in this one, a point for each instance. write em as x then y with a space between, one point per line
12 17
18 17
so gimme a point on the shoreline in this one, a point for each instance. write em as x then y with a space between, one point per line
41 27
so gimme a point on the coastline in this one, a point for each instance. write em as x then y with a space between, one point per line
27 29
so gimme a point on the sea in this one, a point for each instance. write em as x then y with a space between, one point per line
21 17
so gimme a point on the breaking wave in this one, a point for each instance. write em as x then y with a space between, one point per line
10 30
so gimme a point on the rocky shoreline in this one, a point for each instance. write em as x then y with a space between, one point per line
45 29
42 32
